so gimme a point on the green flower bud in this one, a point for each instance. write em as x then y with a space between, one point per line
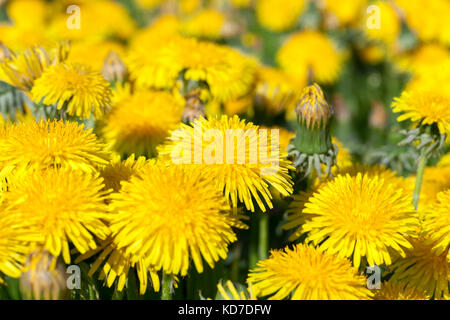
314 116
312 147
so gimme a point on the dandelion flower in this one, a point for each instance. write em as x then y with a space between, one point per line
21 69
425 57
117 171
48 144
28 13
277 91
360 216
229 292
99 20
392 290
279 15
444 161
117 265
435 180
62 205
296 218
149 4
206 24
244 170
305 273
437 223
422 268
429 22
227 73
346 12
387 28
15 236
93 54
424 107
170 214
309 53
75 88
139 122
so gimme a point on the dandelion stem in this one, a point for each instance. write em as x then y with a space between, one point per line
166 293
419 178
253 247
263 243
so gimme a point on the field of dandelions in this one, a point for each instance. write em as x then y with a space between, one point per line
115 172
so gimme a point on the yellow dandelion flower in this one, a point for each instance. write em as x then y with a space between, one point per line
284 136
244 170
229 74
232 107
428 22
392 290
425 57
373 53
229 292
346 12
117 265
296 217
279 15
75 88
49 144
387 29
135 124
62 205
149 4
305 273
207 23
422 268
309 53
344 157
277 91
28 13
437 224
162 28
15 236
170 214
444 161
99 20
189 6
21 69
23 37
93 54
360 216
120 170
435 180
424 107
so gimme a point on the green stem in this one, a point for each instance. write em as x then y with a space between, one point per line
419 178
235 264
166 287
263 243
253 247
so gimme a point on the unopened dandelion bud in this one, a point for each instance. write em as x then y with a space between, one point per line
114 69
44 277
312 145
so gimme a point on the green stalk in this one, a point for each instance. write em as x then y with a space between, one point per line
253 247
234 274
263 243
419 178
166 287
